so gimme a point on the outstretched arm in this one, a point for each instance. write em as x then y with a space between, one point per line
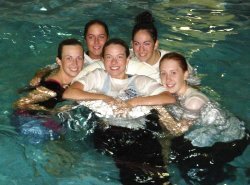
76 92
159 99
41 73
30 101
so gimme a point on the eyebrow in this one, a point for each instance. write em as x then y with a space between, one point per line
94 34
143 42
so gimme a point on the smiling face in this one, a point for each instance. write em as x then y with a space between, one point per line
72 60
115 61
173 77
96 37
144 46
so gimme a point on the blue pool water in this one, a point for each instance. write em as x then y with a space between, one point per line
214 35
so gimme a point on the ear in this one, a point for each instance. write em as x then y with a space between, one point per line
58 61
127 60
131 44
186 73
156 45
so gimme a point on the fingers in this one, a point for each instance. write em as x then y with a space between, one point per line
35 81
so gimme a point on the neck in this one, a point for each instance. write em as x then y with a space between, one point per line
63 79
155 57
183 90
94 57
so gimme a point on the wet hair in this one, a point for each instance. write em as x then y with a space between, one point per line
145 21
92 22
177 57
67 42
118 42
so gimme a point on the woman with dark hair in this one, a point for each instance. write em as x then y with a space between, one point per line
96 33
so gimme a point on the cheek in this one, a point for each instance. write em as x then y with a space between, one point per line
135 48
89 41
163 79
102 41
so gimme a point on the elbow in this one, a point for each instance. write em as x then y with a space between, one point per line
66 94
172 100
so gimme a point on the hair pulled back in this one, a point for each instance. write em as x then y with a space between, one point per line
145 21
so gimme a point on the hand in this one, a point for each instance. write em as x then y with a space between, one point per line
121 109
35 81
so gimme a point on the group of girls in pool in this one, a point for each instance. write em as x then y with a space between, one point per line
124 79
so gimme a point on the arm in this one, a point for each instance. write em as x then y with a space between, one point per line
160 99
76 92
175 127
30 101
41 73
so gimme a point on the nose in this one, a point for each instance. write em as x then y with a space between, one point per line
114 60
74 62
96 41
168 78
141 48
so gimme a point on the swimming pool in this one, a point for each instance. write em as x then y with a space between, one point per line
214 35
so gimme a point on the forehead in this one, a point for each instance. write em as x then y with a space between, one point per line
170 64
96 28
142 35
114 49
68 49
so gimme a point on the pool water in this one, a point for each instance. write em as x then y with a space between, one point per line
214 35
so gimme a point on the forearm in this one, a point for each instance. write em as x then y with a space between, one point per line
40 74
79 95
76 92
160 99
175 127
30 101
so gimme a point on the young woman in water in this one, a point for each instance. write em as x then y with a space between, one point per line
145 41
32 108
137 153
208 136
96 33
49 92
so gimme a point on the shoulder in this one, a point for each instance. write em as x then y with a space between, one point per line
163 52
92 67
195 100
52 85
96 73
88 69
88 61
144 78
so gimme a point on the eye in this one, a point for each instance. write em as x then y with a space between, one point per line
80 58
90 37
147 43
120 57
108 57
136 43
68 58
162 73
173 72
101 37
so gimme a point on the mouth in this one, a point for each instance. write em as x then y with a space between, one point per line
74 69
170 85
113 68
96 47
142 54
